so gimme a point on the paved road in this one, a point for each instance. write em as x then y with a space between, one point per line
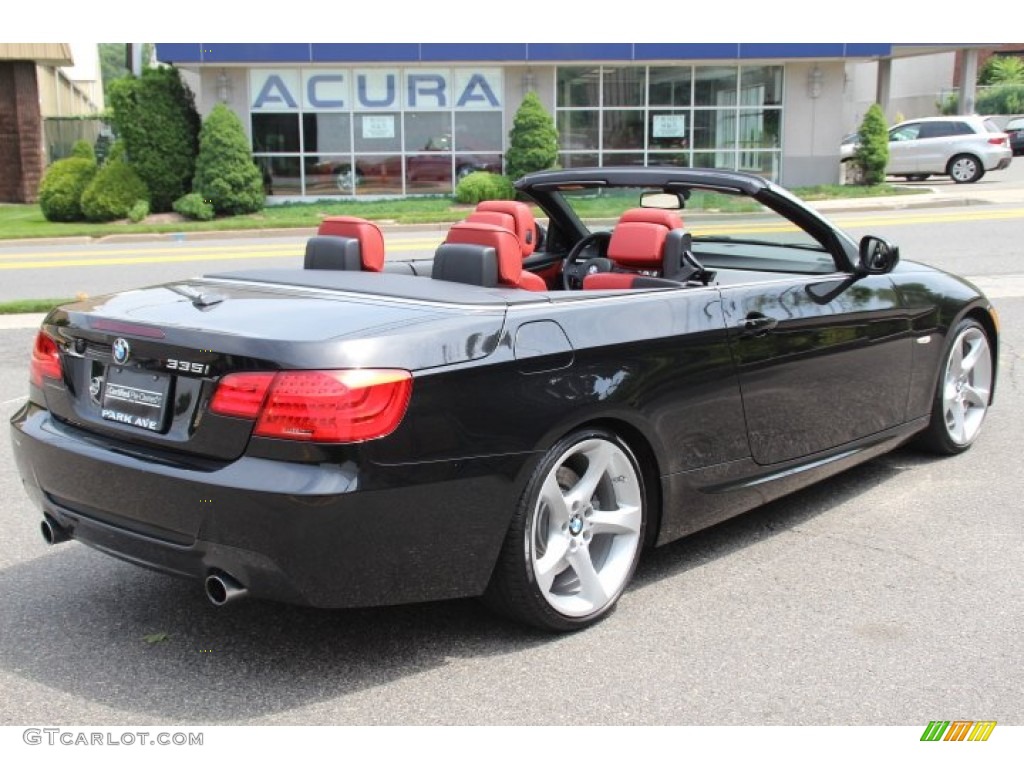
888 596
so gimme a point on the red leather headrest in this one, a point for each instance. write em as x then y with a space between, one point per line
510 259
637 244
371 239
525 225
670 219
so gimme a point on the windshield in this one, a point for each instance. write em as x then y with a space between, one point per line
708 215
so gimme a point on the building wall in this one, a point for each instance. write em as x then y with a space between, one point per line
916 84
813 124
21 155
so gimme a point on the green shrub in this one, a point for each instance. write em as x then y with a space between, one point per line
83 149
139 211
873 151
155 116
533 140
60 191
226 176
1001 100
193 206
113 191
481 185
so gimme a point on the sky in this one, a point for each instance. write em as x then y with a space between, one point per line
735 21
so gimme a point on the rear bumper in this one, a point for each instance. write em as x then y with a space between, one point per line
299 533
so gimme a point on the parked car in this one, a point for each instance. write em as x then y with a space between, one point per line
1015 130
961 147
518 417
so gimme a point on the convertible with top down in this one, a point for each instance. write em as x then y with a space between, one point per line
568 381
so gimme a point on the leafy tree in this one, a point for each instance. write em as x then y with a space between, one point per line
83 148
533 140
1001 100
872 154
62 186
113 192
155 115
1002 70
226 176
114 62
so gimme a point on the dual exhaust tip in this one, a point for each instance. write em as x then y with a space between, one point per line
221 588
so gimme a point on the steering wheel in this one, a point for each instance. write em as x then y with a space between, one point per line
574 270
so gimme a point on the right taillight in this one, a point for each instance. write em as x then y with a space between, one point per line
45 361
347 406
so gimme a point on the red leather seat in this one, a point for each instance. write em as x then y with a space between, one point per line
503 220
637 249
508 248
524 224
346 243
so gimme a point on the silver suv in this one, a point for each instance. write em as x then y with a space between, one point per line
962 147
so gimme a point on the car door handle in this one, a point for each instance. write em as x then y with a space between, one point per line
756 324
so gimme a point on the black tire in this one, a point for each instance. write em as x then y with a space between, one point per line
962 392
965 169
566 561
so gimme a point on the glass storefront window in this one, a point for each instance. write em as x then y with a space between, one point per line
761 86
379 175
428 172
428 132
669 158
579 129
578 159
622 158
623 86
466 164
275 132
578 87
760 129
669 86
327 132
668 129
714 129
624 129
326 175
714 86
281 175
380 131
476 131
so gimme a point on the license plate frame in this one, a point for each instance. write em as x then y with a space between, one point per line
136 398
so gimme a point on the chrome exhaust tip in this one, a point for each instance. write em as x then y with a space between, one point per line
52 532
222 589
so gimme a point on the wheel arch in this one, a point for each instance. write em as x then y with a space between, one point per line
647 458
984 316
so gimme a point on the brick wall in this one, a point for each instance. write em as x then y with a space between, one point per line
21 126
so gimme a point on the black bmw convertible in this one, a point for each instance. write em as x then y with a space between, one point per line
572 378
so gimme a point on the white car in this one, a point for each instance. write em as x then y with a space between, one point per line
963 147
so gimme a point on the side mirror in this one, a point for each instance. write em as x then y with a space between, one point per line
877 256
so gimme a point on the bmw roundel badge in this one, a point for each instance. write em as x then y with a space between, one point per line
121 351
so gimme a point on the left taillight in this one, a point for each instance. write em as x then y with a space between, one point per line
347 406
45 361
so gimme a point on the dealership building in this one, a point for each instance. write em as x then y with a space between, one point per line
343 119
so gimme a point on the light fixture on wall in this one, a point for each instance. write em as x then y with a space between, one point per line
815 82
224 87
529 82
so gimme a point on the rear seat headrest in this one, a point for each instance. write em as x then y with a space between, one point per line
366 233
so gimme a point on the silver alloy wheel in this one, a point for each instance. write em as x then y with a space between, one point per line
586 526
967 383
964 169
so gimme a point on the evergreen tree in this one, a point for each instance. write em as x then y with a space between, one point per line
873 152
533 140
155 115
226 176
